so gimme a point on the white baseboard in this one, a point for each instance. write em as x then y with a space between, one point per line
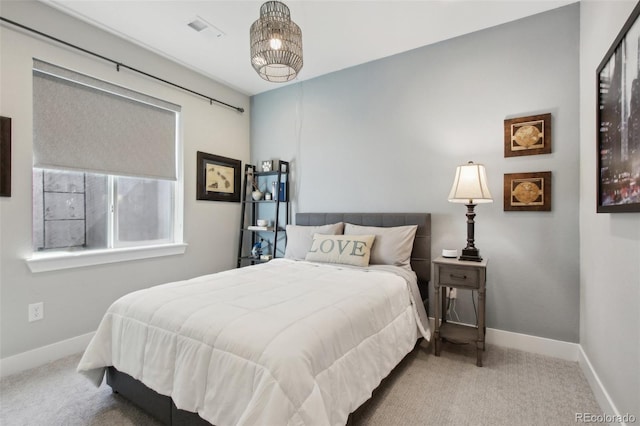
524 342
40 356
599 391
538 345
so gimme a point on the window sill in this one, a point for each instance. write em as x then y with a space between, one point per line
42 262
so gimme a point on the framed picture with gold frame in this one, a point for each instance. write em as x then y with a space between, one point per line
527 135
527 191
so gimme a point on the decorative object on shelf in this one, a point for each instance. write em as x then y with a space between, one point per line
527 191
470 187
267 165
254 182
218 178
276 44
256 193
256 250
527 135
5 157
618 119
262 222
267 196
282 194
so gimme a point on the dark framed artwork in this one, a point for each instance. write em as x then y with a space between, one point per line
618 122
5 157
527 191
527 135
218 178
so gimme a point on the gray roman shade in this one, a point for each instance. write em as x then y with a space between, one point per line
81 123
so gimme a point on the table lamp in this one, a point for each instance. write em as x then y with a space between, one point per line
470 187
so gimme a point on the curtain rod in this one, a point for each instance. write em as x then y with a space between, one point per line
121 65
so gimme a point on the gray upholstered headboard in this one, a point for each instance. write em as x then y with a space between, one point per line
421 254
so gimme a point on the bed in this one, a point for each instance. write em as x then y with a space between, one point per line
289 342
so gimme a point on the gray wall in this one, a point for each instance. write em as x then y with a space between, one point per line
388 135
75 299
610 243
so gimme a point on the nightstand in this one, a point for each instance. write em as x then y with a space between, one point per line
459 274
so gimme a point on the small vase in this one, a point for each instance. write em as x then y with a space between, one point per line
257 195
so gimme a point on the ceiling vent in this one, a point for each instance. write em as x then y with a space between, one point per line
200 25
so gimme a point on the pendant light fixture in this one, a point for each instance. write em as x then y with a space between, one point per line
276 44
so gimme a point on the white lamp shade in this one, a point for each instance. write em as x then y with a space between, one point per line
470 185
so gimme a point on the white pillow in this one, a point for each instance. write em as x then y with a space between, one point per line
392 246
344 249
299 238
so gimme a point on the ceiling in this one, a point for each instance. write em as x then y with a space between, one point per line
336 34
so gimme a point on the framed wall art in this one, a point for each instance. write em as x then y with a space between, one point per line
218 178
527 191
527 135
618 122
5 157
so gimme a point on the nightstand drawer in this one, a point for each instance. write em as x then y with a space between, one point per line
459 277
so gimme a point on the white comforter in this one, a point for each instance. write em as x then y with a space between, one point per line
282 343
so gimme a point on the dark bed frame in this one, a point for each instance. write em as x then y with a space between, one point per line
162 407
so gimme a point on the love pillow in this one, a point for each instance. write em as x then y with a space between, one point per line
343 249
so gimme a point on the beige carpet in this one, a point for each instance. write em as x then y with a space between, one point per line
512 388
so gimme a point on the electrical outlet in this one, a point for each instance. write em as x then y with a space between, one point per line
36 311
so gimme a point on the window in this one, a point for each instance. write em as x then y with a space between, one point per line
105 166
92 211
143 211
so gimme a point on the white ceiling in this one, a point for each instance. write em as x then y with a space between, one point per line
336 34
